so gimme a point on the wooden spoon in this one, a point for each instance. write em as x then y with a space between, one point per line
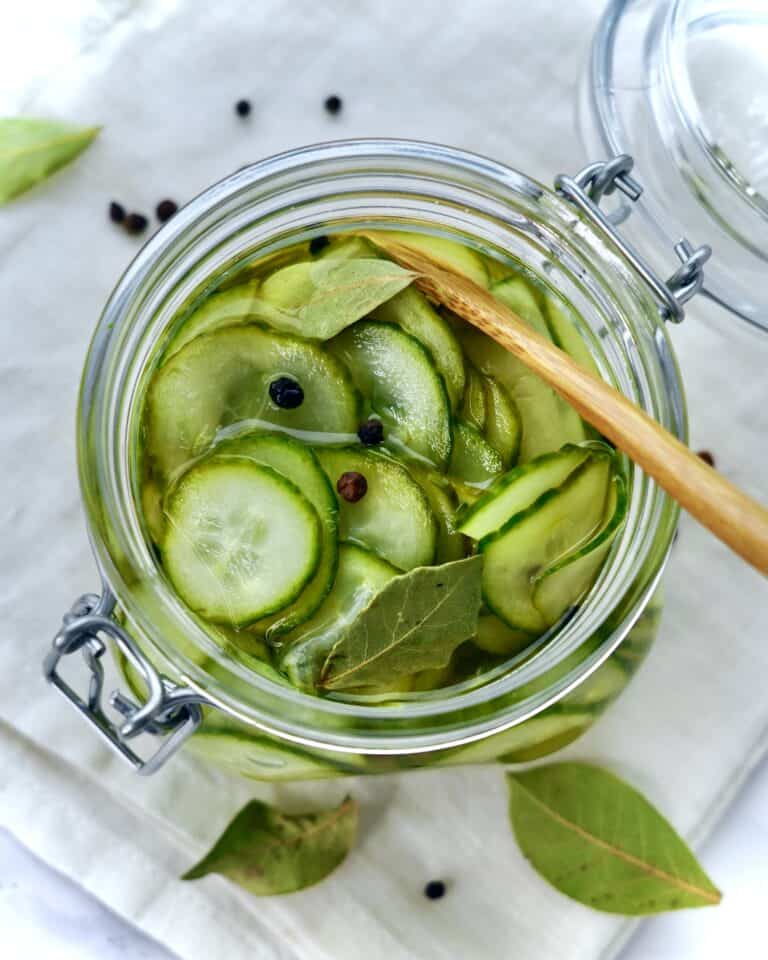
728 512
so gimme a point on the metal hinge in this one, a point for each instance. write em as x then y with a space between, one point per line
586 190
171 712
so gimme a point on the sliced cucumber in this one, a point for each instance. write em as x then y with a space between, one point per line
494 636
503 427
518 489
225 309
412 311
529 740
600 687
223 377
361 575
394 518
152 510
299 464
257 757
533 540
547 420
395 373
516 294
448 253
473 459
474 405
349 248
465 492
565 334
444 503
571 576
242 541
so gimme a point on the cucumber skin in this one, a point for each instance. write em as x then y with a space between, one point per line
497 488
515 521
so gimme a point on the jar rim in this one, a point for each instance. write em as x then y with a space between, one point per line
120 331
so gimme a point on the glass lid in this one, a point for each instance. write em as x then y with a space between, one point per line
683 88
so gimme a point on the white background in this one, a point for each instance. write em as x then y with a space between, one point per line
44 916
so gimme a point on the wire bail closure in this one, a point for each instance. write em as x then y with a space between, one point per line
171 712
602 178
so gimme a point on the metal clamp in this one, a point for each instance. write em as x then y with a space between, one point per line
171 712
600 179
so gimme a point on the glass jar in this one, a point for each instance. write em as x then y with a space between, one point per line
255 723
682 87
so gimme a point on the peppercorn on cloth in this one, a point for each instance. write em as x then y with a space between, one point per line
162 77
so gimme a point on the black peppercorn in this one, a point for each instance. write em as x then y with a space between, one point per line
243 108
316 244
333 104
352 486
136 223
434 890
286 393
371 433
165 210
116 212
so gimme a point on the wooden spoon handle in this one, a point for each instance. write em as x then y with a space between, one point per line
727 511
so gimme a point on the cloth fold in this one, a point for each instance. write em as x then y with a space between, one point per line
163 77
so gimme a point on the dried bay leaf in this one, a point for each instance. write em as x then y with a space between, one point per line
599 841
268 852
414 623
321 298
32 149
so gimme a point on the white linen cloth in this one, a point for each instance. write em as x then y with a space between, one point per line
496 77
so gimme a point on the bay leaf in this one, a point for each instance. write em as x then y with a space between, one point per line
268 852
599 841
32 149
321 298
414 623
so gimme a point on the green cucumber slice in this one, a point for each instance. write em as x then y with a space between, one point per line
394 518
448 253
474 407
529 740
571 576
533 540
565 334
600 687
503 427
473 459
444 502
349 248
516 294
411 311
235 305
258 758
152 509
297 463
547 420
241 540
394 371
494 636
361 575
223 377
518 489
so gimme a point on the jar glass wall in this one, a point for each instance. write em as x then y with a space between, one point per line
345 186
681 87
